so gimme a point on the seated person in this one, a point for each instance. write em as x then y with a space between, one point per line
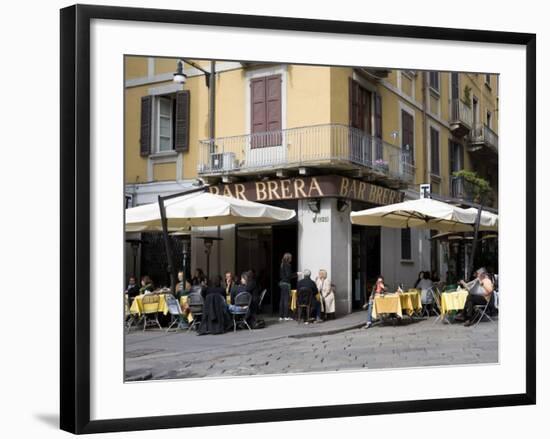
132 289
147 286
215 318
183 288
479 293
214 287
230 286
378 289
425 285
307 284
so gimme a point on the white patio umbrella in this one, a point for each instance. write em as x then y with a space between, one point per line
203 209
489 220
423 213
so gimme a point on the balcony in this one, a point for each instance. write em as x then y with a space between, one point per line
462 189
332 146
461 119
483 137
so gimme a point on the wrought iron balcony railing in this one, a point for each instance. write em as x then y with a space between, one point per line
483 135
461 114
316 145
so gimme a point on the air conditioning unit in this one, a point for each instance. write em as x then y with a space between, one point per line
223 161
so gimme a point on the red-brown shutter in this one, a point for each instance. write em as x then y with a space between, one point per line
354 117
181 135
378 115
266 111
407 134
146 121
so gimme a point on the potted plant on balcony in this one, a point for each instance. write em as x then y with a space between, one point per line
381 165
476 187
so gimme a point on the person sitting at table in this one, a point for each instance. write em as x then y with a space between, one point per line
306 284
379 288
425 285
420 277
215 286
215 318
199 278
326 290
479 293
147 286
183 287
132 289
230 286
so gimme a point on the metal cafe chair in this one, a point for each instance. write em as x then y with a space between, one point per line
242 300
303 302
196 307
175 311
129 318
485 310
151 303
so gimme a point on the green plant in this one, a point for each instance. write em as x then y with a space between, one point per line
467 96
481 187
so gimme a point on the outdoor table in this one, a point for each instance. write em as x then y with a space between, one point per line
411 301
452 301
138 307
387 304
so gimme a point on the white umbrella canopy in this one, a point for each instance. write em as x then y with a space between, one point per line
203 209
489 220
423 213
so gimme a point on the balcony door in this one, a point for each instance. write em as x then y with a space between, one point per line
266 145
454 97
361 123
407 137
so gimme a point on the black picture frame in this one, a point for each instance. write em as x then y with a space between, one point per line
75 217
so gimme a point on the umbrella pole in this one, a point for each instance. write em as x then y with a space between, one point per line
168 245
474 244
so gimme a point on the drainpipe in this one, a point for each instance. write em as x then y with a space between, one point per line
212 135
425 101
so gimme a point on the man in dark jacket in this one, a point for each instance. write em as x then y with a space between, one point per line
303 286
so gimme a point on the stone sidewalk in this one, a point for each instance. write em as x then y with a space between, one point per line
289 347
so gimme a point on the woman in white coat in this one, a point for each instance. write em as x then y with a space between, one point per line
326 290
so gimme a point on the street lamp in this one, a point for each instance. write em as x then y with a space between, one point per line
208 243
185 236
179 76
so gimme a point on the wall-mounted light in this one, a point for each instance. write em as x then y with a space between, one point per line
314 205
179 76
341 205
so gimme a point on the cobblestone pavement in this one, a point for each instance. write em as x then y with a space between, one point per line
289 348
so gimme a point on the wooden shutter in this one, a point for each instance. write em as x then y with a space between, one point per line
266 111
407 130
434 144
146 121
378 115
354 107
181 121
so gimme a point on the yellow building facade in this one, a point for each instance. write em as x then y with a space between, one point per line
391 129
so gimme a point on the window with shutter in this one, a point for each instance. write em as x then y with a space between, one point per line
145 130
181 118
434 149
406 253
407 136
266 111
434 80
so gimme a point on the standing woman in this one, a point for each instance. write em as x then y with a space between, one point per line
286 275
326 291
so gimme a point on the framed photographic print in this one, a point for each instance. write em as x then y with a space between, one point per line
255 207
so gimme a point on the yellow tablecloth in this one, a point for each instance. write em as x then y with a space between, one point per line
387 304
453 301
138 307
294 299
411 301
